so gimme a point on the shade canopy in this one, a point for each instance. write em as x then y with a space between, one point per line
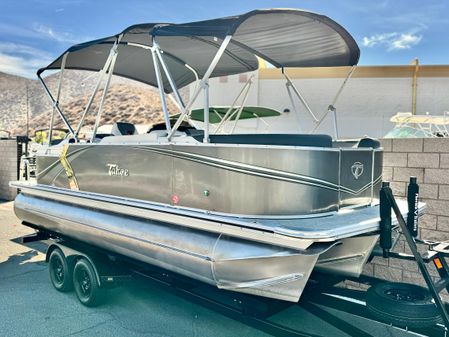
283 37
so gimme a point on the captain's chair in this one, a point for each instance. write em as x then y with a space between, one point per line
123 129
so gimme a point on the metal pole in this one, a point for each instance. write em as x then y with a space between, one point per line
228 112
239 113
287 85
103 98
298 94
28 112
295 109
337 95
97 86
179 102
56 105
178 98
206 76
168 74
206 112
418 258
160 85
415 86
334 114
58 95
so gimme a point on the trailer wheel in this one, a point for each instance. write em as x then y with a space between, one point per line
60 272
402 304
87 289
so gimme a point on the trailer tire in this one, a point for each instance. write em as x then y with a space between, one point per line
402 304
87 289
60 271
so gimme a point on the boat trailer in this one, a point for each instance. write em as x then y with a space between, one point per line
346 312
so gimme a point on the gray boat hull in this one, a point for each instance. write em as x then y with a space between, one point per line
239 180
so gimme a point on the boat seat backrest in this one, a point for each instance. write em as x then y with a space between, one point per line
123 129
368 142
267 139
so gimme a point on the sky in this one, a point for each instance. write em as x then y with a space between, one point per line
389 32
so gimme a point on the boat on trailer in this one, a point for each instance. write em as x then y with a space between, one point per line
252 213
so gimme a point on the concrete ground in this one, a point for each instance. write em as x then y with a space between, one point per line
30 306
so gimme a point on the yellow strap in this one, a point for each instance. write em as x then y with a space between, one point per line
73 183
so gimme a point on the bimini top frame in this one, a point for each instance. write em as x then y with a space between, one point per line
205 49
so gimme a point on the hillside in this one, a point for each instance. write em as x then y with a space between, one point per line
126 100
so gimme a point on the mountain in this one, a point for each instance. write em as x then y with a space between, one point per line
126 100
13 100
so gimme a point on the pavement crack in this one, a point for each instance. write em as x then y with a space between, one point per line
88 328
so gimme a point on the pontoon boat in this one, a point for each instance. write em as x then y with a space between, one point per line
253 213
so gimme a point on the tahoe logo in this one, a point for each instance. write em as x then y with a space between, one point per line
357 169
115 170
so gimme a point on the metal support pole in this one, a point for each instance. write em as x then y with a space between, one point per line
337 95
160 85
295 109
334 114
244 92
239 113
206 112
97 86
56 106
103 98
415 86
173 100
205 78
298 94
58 95
290 96
418 258
178 99
168 74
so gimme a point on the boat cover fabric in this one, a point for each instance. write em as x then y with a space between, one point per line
283 37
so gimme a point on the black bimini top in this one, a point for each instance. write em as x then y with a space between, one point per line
283 37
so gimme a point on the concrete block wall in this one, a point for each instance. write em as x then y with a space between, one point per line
8 168
428 160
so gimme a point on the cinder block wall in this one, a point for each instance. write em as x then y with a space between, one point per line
428 160
8 168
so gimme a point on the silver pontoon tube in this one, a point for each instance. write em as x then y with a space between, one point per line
224 261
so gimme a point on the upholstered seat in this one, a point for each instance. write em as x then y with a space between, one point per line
266 139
